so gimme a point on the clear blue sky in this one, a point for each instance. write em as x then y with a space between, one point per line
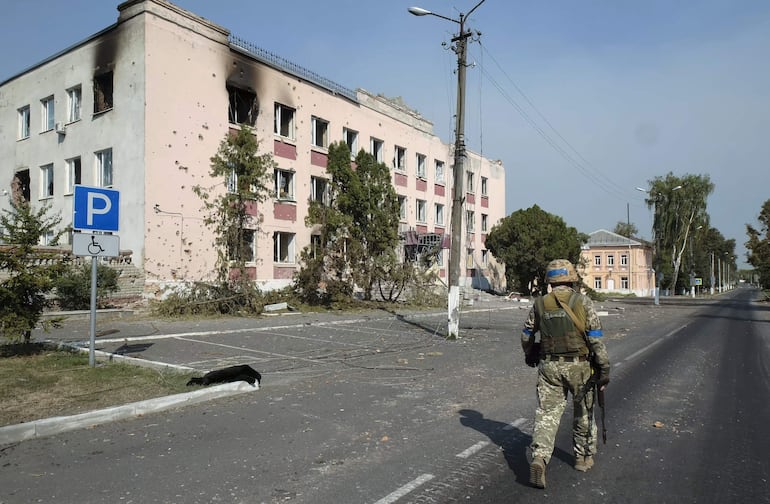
582 100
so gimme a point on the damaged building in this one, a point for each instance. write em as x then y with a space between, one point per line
110 111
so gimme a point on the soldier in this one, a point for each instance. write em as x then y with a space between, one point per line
570 343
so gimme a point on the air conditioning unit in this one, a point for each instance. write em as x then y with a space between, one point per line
61 128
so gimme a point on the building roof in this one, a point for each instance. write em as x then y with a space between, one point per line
604 238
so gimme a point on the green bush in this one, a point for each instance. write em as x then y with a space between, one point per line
73 288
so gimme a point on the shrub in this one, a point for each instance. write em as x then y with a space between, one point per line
73 288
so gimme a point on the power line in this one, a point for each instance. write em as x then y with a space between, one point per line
576 160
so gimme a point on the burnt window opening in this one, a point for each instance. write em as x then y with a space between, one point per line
20 186
242 107
102 92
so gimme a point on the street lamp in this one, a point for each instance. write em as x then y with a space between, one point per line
460 48
656 259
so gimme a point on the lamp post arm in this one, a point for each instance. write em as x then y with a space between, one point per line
474 8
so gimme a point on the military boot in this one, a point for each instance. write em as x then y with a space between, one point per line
583 464
537 472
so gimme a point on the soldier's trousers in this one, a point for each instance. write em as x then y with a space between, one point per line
556 381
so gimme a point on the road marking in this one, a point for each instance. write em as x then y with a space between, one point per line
273 328
229 331
284 356
515 424
412 485
641 351
473 449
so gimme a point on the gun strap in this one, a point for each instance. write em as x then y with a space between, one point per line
568 308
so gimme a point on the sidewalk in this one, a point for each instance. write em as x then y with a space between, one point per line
56 425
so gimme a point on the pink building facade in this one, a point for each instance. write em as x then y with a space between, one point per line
143 105
612 263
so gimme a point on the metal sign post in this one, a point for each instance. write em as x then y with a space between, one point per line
95 209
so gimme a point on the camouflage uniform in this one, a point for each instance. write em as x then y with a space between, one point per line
556 378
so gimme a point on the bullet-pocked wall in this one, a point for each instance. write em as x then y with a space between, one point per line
177 85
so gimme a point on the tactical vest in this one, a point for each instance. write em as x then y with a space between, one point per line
558 334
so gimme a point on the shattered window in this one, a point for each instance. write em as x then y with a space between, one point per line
102 92
243 107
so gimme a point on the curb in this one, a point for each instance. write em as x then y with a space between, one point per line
56 425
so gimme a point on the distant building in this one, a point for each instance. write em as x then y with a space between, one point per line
143 105
614 263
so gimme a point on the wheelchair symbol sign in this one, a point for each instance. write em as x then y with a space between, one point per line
95 245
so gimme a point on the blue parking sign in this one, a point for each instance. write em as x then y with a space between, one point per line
96 209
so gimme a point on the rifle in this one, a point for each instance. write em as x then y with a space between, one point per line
599 396
600 400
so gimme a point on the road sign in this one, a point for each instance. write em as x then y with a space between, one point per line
95 245
698 281
96 209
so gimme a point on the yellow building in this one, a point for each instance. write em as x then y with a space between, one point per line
613 263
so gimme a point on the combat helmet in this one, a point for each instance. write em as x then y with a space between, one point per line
560 271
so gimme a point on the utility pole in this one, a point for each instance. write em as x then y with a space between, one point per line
460 47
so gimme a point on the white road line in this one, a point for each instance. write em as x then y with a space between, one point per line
515 424
273 354
473 449
228 331
641 351
268 329
412 485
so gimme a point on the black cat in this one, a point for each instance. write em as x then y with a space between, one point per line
229 374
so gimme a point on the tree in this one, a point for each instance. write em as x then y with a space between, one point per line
246 175
626 229
758 245
527 240
679 207
707 246
31 270
357 229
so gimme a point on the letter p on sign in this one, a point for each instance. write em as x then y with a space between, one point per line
92 209
96 209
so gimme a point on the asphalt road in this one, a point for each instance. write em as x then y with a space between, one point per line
378 408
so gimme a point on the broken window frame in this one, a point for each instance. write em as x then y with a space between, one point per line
103 92
242 106
399 158
47 114
319 190
421 160
350 136
319 132
73 173
24 122
284 184
283 247
439 214
376 147
46 181
74 103
104 168
421 211
283 124
439 171
248 239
